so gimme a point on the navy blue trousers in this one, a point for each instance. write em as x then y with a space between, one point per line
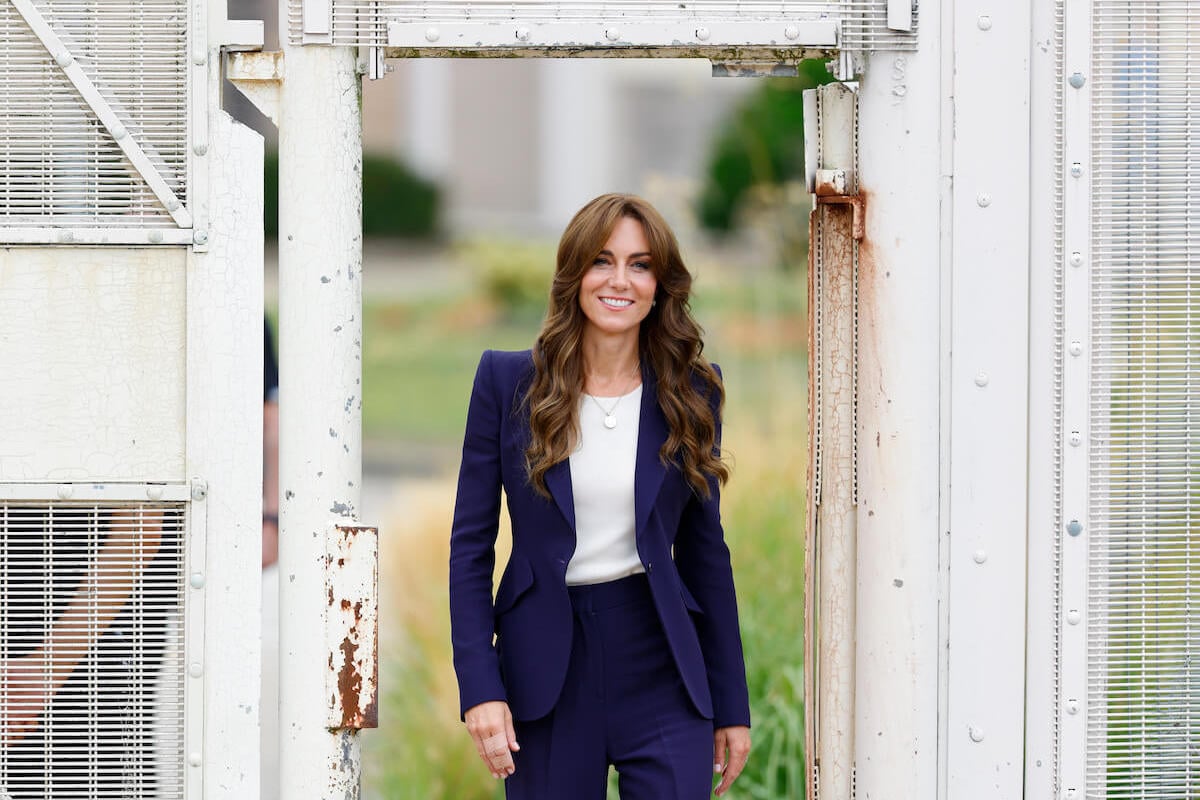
623 703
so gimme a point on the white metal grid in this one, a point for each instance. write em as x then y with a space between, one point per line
91 626
864 23
59 166
1143 709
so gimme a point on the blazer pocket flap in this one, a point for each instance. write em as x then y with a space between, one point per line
516 581
688 600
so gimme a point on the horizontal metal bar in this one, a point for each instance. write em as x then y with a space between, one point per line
467 36
95 235
108 492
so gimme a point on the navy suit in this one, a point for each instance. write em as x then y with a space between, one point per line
693 591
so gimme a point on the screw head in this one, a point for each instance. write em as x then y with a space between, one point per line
64 59
1074 527
983 199
65 491
791 32
1072 706
155 236
984 22
1075 348
1076 438
1073 616
194 759
523 34
199 487
154 492
612 34
196 580
432 34
1076 259
118 131
976 733
199 57
703 34
980 556
1076 169
199 237
1077 80
981 379
200 148
195 669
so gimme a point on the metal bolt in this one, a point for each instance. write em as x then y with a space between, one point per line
791 32
1075 348
118 131
1076 169
200 148
1077 80
976 733
200 57
155 236
612 34
64 59
195 669
173 204
984 22
1075 439
984 199
154 491
1074 527
199 489
1072 706
702 34
194 759
1073 616
197 580
66 236
65 490
200 236
1076 259
981 380
980 556
523 34
432 34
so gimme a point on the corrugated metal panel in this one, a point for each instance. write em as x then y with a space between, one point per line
364 22
58 164
1143 726
91 621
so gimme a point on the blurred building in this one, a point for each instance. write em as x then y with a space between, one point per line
518 145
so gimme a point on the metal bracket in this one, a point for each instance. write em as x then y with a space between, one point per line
103 109
352 626
257 75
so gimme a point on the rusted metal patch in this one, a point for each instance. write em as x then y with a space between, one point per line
858 226
352 626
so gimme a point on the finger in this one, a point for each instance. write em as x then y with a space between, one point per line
499 757
719 747
511 731
737 761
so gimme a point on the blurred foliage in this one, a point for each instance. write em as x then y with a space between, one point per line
761 144
513 274
397 203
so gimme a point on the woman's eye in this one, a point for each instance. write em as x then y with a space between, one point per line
642 265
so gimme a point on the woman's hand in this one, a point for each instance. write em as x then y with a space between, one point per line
731 748
491 726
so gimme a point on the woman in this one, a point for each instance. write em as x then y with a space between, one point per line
615 622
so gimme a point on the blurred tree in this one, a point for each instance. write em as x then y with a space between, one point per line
761 144
396 201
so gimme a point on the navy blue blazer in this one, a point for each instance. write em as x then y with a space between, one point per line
679 539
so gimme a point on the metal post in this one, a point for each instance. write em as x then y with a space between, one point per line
320 420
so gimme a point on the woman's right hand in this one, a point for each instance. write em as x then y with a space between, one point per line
491 726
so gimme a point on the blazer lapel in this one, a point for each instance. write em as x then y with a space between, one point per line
652 432
558 481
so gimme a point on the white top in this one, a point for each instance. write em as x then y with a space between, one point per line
602 483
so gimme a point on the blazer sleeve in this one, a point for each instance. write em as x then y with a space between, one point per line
472 547
703 561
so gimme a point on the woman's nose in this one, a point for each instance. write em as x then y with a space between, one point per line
620 276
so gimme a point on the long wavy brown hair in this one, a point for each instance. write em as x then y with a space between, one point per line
670 346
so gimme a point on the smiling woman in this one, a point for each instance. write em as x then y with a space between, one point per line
613 637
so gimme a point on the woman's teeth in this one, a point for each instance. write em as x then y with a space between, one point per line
615 303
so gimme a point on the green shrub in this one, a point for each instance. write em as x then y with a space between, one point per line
513 275
761 143
397 203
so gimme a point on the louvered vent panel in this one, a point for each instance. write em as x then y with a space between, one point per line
1144 547
91 624
58 164
364 22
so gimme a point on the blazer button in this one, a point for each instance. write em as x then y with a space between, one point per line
649 567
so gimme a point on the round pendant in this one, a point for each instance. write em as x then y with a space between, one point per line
610 422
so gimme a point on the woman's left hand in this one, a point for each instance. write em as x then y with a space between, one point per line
731 748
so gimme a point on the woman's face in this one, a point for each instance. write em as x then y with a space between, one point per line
617 291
